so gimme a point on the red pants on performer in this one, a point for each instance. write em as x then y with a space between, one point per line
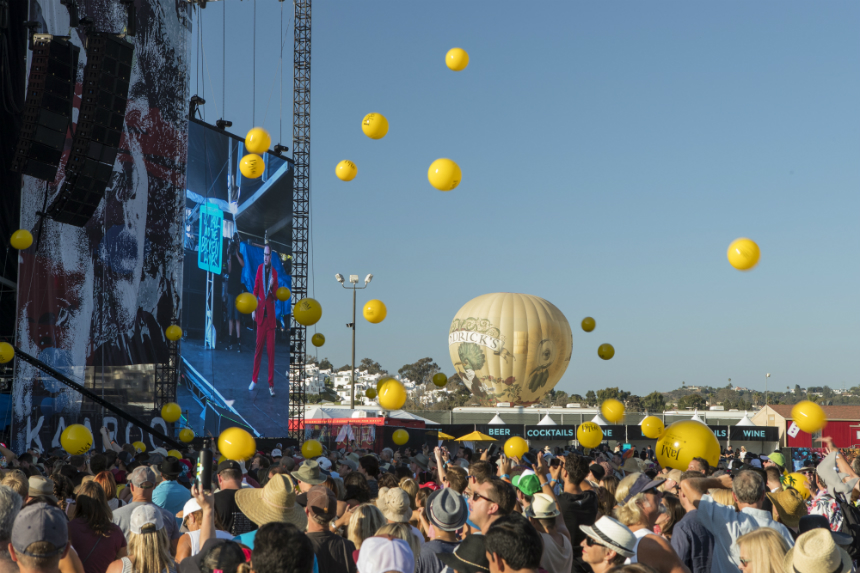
267 337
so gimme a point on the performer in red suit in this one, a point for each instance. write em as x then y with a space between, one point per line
265 286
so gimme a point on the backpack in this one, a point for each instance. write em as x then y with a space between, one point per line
850 525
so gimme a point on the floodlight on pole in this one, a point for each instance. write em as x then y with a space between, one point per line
339 278
368 278
353 280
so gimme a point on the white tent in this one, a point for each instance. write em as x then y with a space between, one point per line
745 421
497 420
696 417
317 414
598 419
547 421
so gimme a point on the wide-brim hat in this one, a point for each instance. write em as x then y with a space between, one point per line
816 552
421 461
789 505
395 505
631 465
275 503
309 473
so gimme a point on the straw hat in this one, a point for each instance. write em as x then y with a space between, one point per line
274 503
816 552
789 505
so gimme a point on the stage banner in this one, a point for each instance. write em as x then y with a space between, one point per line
721 432
754 434
501 431
94 301
614 433
550 433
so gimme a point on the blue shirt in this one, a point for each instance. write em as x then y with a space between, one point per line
171 496
693 543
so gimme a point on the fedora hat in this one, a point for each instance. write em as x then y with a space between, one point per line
447 510
309 473
613 535
816 552
421 461
41 486
631 465
542 507
275 503
789 505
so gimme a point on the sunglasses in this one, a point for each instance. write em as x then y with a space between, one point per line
476 496
745 562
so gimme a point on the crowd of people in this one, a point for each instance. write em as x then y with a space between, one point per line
429 511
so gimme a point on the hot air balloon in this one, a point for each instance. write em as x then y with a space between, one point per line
509 347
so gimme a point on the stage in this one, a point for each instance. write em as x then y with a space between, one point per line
222 376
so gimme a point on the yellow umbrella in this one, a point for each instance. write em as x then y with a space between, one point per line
444 436
476 437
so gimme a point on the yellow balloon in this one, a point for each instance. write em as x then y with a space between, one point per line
797 481
685 440
283 293
346 170
374 311
606 351
392 396
171 412
222 458
237 444
311 449
7 352
246 303
21 239
374 125
612 410
173 332
258 140
400 437
808 416
589 435
76 439
317 339
370 393
515 447
588 324
444 174
139 447
174 454
307 311
457 59
743 254
252 166
382 382
186 435
440 380
652 427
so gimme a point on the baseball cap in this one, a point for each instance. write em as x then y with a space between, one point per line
40 522
384 554
190 507
778 458
529 484
142 477
322 501
146 518
229 465
642 484
276 453
125 457
324 463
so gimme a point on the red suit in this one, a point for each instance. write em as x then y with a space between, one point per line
265 316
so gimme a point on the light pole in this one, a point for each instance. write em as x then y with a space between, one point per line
353 281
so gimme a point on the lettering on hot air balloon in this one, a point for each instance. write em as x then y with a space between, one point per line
484 340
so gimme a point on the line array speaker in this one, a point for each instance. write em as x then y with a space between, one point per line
48 109
99 129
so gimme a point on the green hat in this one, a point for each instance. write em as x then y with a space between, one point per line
529 484
515 481
777 458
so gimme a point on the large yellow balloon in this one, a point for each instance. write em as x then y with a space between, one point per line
171 412
457 59
374 125
808 416
509 347
685 440
76 439
246 303
139 446
237 444
444 174
307 311
589 435
799 482
743 254
317 339
440 380
612 410
382 382
400 437
252 166
174 454
374 311
588 324
370 393
346 170
606 351
652 427
283 293
392 396
311 449
186 435
7 352
515 447
258 140
21 239
173 332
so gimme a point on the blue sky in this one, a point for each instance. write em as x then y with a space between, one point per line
610 152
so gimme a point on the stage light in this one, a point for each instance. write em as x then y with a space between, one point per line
279 149
196 101
339 278
223 124
368 278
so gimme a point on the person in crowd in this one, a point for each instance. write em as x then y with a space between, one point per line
699 465
108 483
525 487
10 505
229 515
265 286
274 503
385 554
822 503
546 519
394 504
672 514
762 551
235 264
97 540
817 552
447 512
788 508
607 544
420 504
691 541
723 497
725 523
369 468
17 482
387 481
192 520
169 494
140 482
774 481
333 552
225 557
404 532
491 500
282 548
39 539
577 506
418 464
470 556
148 541
38 487
363 522
346 466
639 506
513 544
63 490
